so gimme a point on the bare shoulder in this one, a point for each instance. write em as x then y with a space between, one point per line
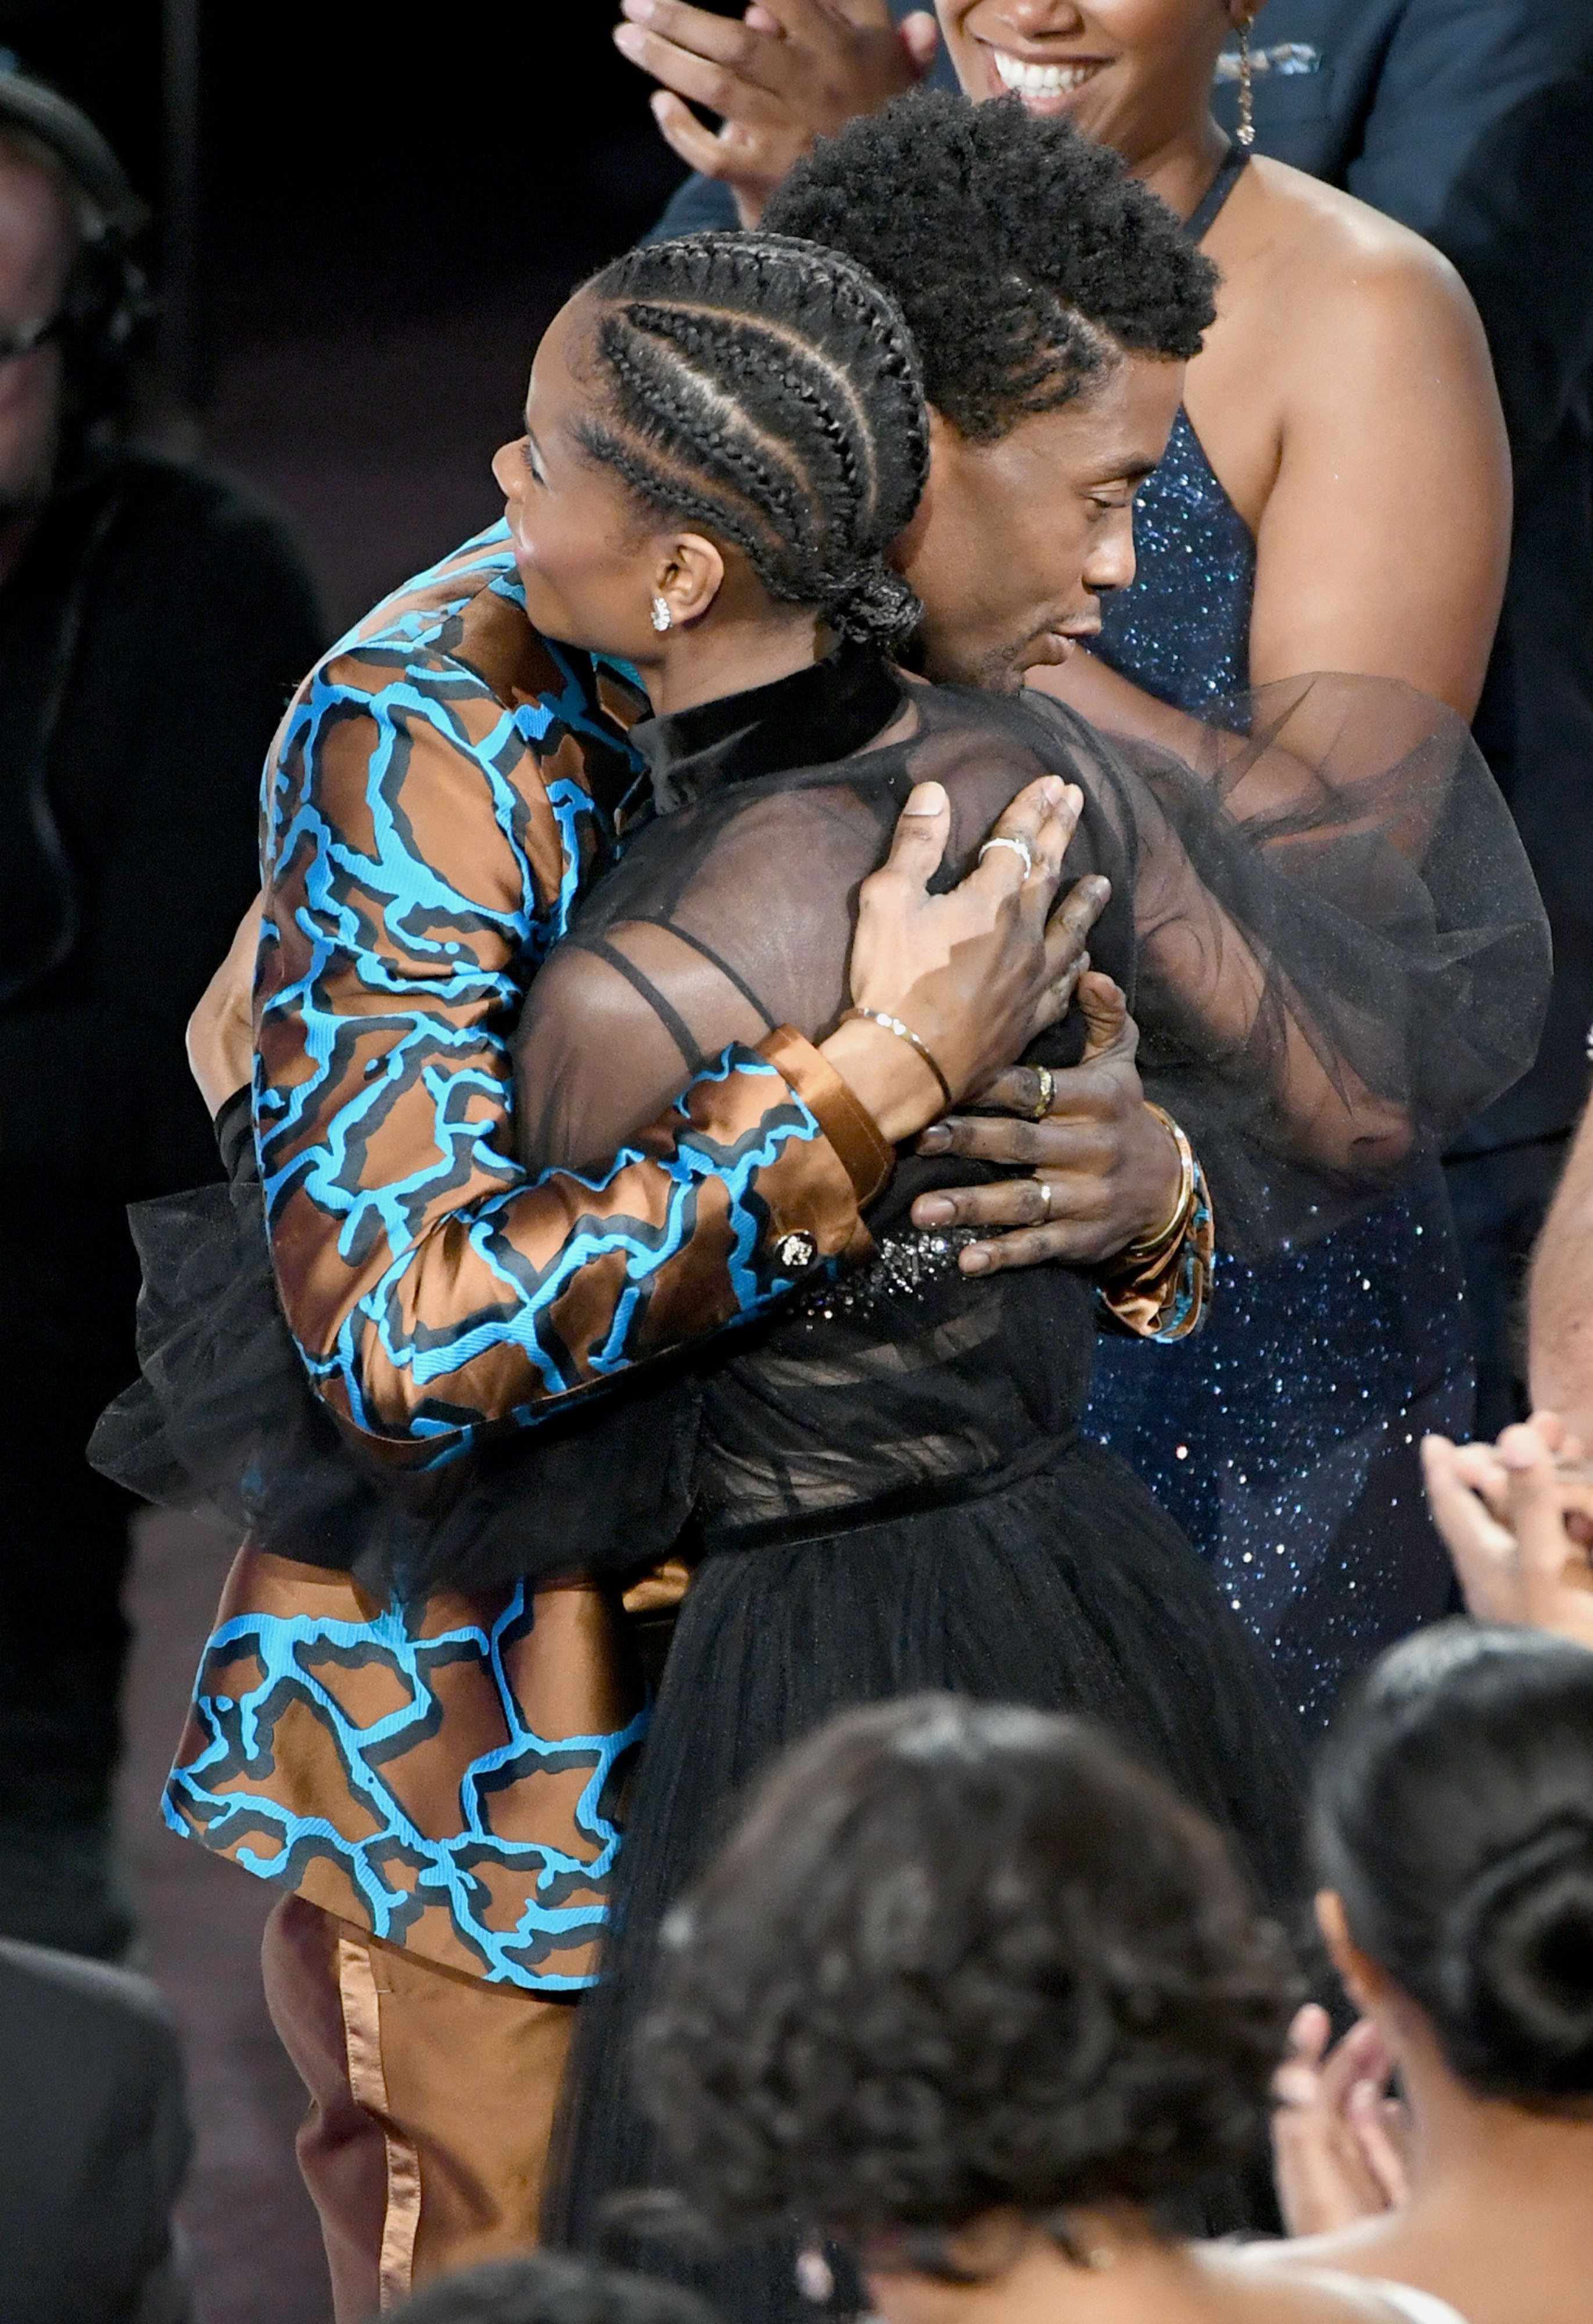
1254 2287
1290 236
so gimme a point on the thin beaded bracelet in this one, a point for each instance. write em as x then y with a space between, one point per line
903 1033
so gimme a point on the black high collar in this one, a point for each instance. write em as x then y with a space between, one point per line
824 711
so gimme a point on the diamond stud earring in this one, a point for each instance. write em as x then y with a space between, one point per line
663 619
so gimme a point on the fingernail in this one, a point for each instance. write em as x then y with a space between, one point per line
642 11
974 1261
933 1210
934 1139
927 798
628 40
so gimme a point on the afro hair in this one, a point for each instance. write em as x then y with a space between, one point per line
1023 255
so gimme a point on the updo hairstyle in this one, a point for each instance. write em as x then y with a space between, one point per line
956 1957
768 391
1454 1815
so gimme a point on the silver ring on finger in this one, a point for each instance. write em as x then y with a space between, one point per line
1045 1187
1019 847
1047 1082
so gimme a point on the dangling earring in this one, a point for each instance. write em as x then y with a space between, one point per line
1246 128
663 619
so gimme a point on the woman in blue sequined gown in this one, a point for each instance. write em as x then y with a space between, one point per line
1334 497
1284 1437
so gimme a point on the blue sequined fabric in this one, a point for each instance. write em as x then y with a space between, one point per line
1284 1435
1182 630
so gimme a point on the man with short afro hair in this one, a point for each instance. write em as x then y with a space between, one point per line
1047 257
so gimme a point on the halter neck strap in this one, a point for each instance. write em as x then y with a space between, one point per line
1199 222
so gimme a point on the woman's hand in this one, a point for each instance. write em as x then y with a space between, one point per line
790 71
975 973
1100 1165
221 1030
1517 1525
1339 2141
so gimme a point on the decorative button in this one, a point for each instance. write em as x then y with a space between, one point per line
796 1253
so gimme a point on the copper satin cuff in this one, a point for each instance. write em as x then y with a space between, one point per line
851 1128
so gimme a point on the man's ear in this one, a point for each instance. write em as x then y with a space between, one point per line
1363 1980
690 576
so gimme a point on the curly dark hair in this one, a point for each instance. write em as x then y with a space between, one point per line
1454 1813
553 2288
1022 254
770 391
958 1957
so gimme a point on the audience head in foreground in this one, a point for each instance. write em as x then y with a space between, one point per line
552 2287
1454 1833
970 1993
1454 1838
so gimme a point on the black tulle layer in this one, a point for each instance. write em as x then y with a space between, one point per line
1070 1590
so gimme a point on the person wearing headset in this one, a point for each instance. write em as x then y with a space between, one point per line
152 623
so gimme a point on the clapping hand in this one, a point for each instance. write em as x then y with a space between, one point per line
1339 2141
1518 1520
790 71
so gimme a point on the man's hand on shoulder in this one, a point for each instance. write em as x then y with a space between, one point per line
790 71
1098 1168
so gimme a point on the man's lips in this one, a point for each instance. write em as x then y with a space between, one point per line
1052 646
1049 80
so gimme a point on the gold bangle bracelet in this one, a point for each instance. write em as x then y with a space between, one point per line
1153 1246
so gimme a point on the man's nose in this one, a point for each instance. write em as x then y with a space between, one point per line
1110 562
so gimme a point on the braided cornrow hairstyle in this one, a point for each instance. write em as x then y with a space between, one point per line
769 392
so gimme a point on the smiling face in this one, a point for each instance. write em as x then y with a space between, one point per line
1133 74
1016 541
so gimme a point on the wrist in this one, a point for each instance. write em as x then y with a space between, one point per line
885 1075
1164 1178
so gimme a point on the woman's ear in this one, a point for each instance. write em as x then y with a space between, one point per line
1363 1980
690 576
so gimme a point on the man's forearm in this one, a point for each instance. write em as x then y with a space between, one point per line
1559 1311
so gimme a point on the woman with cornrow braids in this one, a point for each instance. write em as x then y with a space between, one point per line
874 1480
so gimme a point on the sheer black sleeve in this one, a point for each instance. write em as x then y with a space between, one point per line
1327 930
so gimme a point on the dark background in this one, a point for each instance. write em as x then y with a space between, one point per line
385 211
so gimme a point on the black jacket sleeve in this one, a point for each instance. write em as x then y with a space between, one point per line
94 2143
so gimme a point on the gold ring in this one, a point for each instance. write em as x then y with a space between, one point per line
1045 1187
1048 1081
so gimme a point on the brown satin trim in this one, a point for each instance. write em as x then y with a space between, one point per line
1143 1299
362 2030
864 1155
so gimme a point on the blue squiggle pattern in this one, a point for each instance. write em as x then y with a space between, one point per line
396 1871
398 996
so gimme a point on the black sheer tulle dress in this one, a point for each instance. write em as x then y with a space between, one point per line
1329 937
1318 930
